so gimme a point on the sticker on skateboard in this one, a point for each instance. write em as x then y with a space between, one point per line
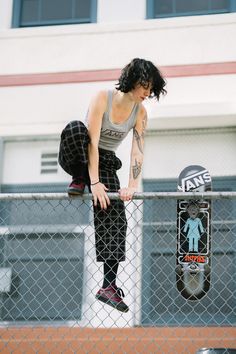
193 256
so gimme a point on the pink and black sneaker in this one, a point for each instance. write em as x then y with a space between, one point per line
76 187
112 296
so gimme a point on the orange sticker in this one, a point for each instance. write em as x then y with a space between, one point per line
193 258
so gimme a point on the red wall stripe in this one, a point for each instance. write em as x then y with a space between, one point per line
113 74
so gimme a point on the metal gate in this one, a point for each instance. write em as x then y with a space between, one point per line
49 278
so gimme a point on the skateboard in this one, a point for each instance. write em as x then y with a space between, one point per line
193 256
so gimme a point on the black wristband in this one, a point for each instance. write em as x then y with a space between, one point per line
93 184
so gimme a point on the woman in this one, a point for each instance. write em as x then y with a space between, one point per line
87 153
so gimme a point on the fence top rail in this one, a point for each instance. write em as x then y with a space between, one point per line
137 196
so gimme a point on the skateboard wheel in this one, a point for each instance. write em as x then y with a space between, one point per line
207 269
179 270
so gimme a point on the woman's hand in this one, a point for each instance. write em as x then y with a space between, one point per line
126 194
99 194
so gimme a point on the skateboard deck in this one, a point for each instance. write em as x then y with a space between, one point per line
193 256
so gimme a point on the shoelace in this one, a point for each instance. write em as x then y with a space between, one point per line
120 292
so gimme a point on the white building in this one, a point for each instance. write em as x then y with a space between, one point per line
51 66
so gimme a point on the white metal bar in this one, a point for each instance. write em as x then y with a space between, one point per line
145 195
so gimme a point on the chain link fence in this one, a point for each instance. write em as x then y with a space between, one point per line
49 278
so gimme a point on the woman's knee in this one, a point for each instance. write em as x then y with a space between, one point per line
75 127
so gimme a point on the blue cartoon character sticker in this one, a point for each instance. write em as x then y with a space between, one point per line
193 227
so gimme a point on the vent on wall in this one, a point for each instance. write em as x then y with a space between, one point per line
49 162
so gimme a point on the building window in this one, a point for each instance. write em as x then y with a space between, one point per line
28 13
42 256
173 8
47 275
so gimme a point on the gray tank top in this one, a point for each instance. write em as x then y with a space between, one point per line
112 134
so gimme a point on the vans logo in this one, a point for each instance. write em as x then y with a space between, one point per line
113 133
195 180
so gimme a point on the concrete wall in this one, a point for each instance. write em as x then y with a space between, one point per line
204 101
171 41
33 114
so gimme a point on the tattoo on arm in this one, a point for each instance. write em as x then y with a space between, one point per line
136 169
138 140
144 123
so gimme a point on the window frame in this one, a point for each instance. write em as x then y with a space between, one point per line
150 11
16 17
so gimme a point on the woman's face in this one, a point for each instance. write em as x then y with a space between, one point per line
193 211
140 93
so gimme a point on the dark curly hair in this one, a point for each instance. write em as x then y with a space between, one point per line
141 72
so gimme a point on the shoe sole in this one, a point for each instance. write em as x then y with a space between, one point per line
111 303
74 193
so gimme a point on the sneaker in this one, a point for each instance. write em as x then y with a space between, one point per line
112 296
76 187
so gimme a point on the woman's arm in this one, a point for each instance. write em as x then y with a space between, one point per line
137 150
96 110
136 160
